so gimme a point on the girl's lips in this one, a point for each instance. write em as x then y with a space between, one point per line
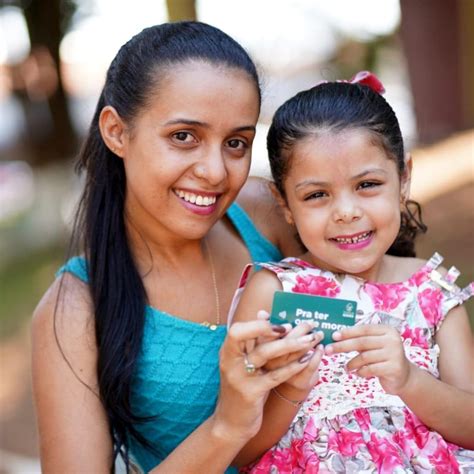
354 241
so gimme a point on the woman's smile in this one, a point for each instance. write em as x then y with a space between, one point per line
198 202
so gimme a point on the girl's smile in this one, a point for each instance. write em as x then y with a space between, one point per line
354 241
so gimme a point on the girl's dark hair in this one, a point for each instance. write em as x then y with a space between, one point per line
118 295
336 106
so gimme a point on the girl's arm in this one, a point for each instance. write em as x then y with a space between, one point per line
73 426
447 405
278 413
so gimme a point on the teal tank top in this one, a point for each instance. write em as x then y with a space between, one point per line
176 378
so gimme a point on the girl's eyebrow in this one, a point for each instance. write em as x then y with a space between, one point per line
197 123
369 171
312 182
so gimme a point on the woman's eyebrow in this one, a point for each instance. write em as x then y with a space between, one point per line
187 122
197 123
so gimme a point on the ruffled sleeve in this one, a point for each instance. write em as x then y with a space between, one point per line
439 293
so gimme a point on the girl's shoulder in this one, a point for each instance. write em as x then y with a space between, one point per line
403 268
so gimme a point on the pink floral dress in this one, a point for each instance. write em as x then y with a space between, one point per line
349 424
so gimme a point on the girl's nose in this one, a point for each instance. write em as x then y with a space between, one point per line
346 212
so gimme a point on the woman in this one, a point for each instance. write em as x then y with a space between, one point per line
128 341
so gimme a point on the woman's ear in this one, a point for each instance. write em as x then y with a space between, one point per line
405 181
282 203
112 129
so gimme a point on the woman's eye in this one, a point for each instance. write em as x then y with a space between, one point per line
184 137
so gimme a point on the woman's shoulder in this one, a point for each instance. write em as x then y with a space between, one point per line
63 319
260 204
256 198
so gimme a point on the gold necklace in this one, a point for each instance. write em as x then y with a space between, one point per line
207 324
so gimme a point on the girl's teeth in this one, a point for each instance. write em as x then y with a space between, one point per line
353 240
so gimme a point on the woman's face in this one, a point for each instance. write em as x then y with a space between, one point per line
188 151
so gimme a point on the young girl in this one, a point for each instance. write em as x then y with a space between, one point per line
395 391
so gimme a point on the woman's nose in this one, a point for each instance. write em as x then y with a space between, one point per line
211 167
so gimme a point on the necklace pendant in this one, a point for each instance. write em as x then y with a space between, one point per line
209 325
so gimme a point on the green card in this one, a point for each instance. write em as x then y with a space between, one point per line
330 314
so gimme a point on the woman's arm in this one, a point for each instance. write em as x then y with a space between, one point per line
258 201
73 427
278 414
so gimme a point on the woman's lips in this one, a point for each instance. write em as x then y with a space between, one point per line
198 202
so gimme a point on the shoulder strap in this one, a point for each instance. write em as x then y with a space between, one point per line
77 266
260 248
451 295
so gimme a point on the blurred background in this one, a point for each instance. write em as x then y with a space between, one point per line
53 58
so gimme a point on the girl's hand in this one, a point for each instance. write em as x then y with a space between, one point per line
243 393
380 355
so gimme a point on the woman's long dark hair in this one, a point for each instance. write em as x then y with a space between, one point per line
117 292
336 106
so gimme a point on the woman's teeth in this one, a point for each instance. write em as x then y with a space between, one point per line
196 198
353 240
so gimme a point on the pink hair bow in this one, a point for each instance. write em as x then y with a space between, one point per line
366 78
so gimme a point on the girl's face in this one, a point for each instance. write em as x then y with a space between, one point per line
188 153
343 194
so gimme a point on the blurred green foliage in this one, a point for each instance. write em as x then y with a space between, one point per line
22 284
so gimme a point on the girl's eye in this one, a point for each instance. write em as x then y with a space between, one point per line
316 195
369 184
236 144
184 137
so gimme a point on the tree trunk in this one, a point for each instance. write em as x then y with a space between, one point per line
440 64
57 140
179 10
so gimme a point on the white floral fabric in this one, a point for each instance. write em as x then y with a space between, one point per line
349 424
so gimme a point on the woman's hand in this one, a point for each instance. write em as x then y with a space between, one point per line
303 381
243 393
380 355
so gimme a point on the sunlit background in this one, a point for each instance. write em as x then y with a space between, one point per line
53 58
